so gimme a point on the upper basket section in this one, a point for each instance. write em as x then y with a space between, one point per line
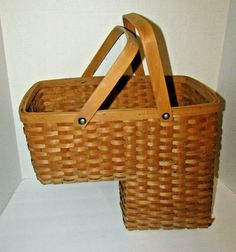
113 97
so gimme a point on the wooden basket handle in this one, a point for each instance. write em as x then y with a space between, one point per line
113 75
134 21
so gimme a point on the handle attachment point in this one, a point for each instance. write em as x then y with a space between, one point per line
82 121
165 116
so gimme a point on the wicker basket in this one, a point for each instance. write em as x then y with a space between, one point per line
160 146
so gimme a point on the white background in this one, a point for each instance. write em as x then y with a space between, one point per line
56 39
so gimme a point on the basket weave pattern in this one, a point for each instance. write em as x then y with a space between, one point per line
177 192
156 136
165 169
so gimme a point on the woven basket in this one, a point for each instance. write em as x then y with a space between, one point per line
159 144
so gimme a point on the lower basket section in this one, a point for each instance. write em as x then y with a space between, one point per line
164 207
165 170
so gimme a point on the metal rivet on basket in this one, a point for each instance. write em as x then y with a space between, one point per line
82 121
166 116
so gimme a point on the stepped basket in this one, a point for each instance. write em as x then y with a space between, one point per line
158 142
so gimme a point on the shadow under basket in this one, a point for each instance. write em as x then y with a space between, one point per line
165 168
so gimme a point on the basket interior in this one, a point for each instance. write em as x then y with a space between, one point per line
69 95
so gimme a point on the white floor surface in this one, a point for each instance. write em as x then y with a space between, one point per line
87 217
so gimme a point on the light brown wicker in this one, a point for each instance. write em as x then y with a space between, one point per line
160 146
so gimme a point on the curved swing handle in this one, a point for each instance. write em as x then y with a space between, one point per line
134 21
113 75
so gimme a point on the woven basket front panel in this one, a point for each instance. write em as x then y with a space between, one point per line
174 188
63 152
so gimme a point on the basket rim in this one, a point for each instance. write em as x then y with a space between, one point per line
118 114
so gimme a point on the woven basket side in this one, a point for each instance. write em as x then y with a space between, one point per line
63 153
176 190
61 98
187 95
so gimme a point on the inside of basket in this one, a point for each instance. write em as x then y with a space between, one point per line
69 95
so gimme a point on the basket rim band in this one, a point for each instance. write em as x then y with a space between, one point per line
214 104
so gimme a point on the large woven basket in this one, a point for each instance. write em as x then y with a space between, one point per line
159 144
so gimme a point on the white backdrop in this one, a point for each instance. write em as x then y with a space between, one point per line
227 89
51 39
10 175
